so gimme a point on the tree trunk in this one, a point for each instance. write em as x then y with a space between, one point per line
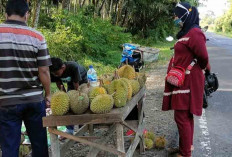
80 3
65 4
111 8
119 11
83 3
36 13
125 16
99 11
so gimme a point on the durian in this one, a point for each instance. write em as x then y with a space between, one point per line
24 150
135 86
59 103
84 88
150 135
102 104
160 142
148 143
126 71
120 92
79 102
127 82
95 91
142 78
107 79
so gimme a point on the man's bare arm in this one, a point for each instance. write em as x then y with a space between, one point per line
44 76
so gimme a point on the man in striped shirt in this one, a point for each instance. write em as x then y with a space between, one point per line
24 73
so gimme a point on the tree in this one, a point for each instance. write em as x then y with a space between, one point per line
36 13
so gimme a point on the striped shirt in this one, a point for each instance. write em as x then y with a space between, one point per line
22 51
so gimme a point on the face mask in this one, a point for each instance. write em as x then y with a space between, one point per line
178 22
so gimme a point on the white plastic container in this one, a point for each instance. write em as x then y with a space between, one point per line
92 76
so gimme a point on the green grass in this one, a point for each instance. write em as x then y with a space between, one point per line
165 52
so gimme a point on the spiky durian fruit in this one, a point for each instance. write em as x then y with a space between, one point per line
148 143
79 102
84 88
95 91
107 79
150 135
59 103
142 78
127 82
135 86
24 150
160 142
102 104
120 92
126 71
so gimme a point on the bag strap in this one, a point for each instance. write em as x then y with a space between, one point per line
189 68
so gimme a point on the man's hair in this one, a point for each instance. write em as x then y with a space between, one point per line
56 64
17 7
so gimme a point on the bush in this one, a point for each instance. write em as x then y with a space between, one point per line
85 39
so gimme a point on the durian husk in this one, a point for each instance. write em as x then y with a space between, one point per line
129 96
120 92
107 79
160 142
95 91
24 150
79 102
84 88
142 78
149 144
59 103
126 71
150 135
135 86
102 104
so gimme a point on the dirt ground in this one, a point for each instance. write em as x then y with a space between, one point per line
157 121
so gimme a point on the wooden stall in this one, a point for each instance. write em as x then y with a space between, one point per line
116 120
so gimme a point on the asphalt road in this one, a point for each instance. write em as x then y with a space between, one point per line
213 131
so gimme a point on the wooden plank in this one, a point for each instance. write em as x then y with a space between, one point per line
120 138
133 123
91 129
141 115
129 127
107 136
72 137
55 145
130 105
69 143
81 119
138 134
135 142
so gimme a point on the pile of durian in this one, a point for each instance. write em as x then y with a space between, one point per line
152 141
115 90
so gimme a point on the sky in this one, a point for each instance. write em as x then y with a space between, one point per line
217 6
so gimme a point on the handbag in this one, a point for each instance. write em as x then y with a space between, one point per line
176 75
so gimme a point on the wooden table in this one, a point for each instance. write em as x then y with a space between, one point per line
116 119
